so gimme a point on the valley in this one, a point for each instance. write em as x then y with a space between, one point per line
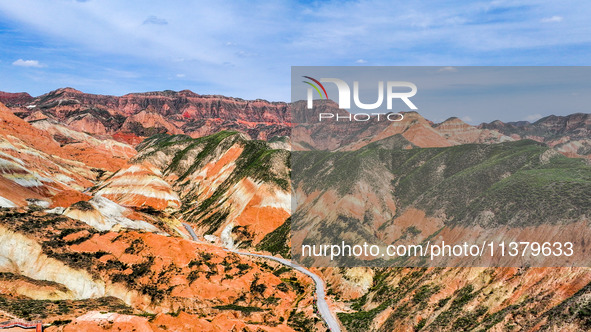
173 211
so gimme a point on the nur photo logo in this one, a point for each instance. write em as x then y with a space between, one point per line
392 92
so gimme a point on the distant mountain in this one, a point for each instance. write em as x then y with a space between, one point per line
88 225
132 117
15 99
386 193
231 187
94 191
568 134
489 187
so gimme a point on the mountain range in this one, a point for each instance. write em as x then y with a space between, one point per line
95 190
133 117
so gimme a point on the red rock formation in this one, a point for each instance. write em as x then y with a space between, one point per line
16 99
140 186
68 197
143 114
45 158
459 132
569 134
184 285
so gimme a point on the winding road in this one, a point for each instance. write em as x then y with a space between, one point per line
323 308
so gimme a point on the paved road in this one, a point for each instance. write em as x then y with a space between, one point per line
325 312
191 232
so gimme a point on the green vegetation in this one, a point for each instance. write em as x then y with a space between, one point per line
160 142
276 242
136 246
256 287
192 276
257 161
8 276
29 309
575 310
214 220
240 308
360 321
299 322
206 145
138 270
420 324
281 270
294 284
521 183
60 322
423 294
411 231
77 260
387 296
462 297
410 294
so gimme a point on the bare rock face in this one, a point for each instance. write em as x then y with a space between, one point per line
41 159
231 187
148 123
131 118
15 99
569 134
85 224
460 132
146 114
133 275
23 255
94 190
140 186
310 133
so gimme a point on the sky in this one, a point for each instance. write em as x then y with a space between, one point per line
246 49
475 94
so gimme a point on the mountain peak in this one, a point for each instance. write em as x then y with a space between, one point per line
68 90
455 121
15 98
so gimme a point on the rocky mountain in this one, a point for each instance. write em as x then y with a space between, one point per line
393 191
469 299
97 193
568 134
37 166
67 269
135 116
140 186
331 134
92 226
231 187
16 99
375 194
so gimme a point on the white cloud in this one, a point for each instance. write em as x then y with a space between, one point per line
228 43
155 20
467 119
553 19
533 117
448 69
28 63
244 54
180 75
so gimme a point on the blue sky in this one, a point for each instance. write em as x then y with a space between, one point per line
246 48
475 94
